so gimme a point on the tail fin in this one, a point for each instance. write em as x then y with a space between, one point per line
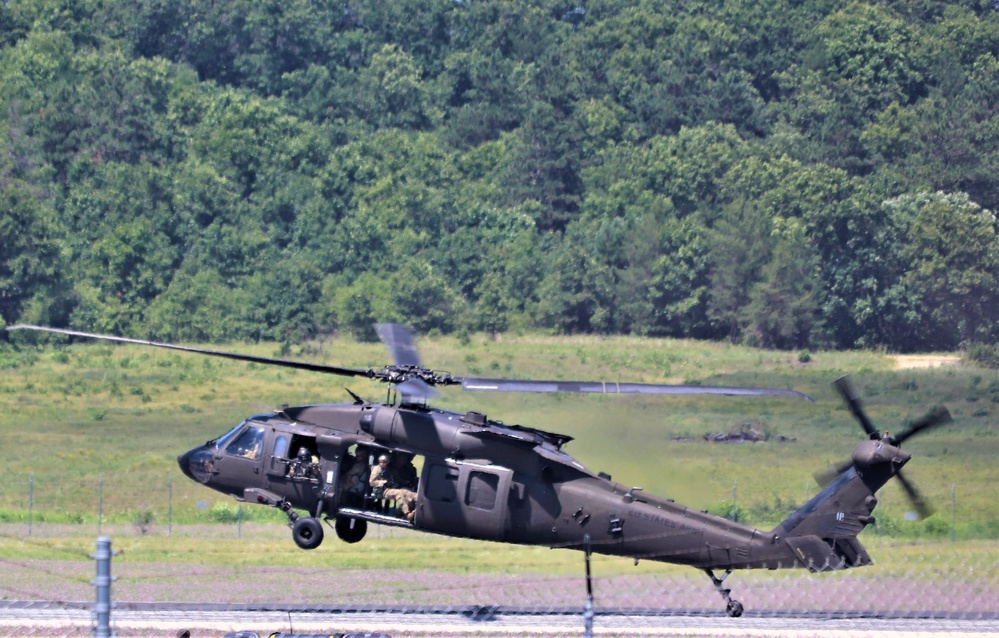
822 534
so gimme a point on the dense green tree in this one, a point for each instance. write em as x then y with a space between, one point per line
663 288
391 93
424 298
126 269
957 137
13 26
866 51
271 169
33 282
740 249
577 292
200 308
783 305
950 266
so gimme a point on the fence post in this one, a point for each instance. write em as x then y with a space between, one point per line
953 512
31 500
735 510
170 506
100 504
588 609
102 606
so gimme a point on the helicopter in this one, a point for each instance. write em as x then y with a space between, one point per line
484 479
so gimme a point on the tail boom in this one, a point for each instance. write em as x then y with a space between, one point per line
821 535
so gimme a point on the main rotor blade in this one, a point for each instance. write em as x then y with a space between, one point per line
605 387
298 365
417 389
921 504
936 417
400 342
845 389
827 476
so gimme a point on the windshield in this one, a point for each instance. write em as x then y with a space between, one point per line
222 440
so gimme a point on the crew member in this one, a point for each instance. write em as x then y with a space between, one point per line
386 478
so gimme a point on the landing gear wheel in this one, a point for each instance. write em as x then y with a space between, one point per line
307 533
733 607
350 530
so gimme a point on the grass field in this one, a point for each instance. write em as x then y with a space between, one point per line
212 564
91 428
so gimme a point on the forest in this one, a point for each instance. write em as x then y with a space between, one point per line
789 174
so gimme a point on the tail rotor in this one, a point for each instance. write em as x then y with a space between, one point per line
936 417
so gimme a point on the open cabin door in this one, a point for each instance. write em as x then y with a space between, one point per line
463 499
302 484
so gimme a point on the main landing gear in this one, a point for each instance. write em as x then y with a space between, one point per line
732 607
306 531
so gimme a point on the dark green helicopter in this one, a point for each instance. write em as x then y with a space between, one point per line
483 479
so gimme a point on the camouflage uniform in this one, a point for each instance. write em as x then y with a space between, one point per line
382 478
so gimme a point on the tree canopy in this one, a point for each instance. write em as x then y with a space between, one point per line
792 174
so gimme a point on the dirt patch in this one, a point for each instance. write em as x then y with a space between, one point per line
907 361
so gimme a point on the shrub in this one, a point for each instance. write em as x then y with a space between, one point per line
983 354
226 513
143 521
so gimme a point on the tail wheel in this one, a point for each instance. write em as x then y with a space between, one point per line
350 530
307 533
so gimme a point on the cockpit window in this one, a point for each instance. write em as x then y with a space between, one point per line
221 442
248 444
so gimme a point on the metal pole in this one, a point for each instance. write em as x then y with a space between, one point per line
877 526
102 606
953 513
169 506
588 610
100 504
735 512
31 501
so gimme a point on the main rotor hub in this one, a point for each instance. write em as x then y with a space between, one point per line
400 373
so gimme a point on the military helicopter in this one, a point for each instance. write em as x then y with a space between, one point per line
484 479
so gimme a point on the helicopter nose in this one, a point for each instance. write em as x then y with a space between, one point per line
197 464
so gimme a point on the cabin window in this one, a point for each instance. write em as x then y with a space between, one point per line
248 444
281 446
482 487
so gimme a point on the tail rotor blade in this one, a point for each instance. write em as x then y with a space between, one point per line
921 505
829 475
845 389
934 418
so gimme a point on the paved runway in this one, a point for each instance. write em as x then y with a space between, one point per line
133 619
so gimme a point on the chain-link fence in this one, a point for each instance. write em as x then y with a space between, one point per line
210 577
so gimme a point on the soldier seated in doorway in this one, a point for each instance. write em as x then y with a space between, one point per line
394 482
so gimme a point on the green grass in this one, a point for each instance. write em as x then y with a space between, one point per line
72 415
268 545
